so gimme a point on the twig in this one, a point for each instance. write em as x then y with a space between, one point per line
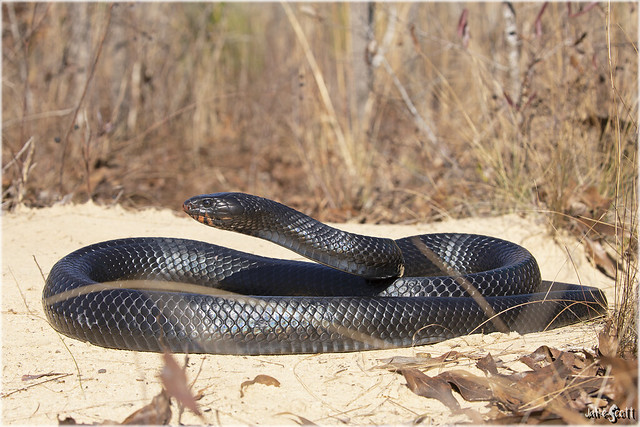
420 122
580 12
511 35
538 21
465 284
23 169
322 88
65 140
380 58
24 64
59 376
160 123
37 116
305 159
18 154
86 155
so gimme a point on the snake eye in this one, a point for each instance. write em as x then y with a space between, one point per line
207 203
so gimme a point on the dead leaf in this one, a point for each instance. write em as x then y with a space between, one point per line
175 383
471 387
487 365
600 257
560 386
624 389
573 361
423 360
505 394
435 388
200 394
592 198
538 358
158 412
581 387
548 378
259 379
602 228
399 362
580 200
608 341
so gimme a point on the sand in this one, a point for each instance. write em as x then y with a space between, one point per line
107 385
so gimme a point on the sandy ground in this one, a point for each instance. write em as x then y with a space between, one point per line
104 384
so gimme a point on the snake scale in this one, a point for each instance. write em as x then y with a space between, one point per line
155 294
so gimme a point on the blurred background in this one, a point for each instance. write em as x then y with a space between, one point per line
376 112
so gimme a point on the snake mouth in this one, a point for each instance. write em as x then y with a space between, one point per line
213 209
205 217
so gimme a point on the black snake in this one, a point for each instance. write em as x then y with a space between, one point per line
152 294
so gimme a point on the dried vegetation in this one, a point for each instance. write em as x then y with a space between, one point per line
382 113
572 387
400 116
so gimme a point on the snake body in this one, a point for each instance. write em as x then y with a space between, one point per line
155 294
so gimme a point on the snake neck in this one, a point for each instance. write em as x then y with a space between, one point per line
370 257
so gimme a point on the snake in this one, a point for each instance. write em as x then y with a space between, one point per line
360 293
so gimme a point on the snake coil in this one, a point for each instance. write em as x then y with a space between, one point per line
152 294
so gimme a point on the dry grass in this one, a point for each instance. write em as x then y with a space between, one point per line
268 99
415 118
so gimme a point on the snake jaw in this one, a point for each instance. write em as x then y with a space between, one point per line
213 209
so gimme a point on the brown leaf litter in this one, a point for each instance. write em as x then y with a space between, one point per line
561 386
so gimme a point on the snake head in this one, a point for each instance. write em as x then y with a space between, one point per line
219 210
